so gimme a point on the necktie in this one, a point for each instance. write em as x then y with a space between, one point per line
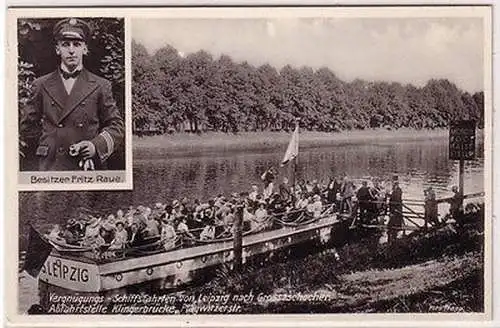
72 75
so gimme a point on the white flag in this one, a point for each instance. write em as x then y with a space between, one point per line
293 147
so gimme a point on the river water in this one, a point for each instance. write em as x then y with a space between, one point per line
162 177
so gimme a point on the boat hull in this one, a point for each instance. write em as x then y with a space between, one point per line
175 268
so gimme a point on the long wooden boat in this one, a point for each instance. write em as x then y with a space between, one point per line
67 270
179 266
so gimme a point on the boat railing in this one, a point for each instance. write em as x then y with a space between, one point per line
104 254
290 219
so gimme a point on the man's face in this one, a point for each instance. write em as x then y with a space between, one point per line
71 52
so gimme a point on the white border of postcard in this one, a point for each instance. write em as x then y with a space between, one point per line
345 320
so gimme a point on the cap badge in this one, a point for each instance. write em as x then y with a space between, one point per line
72 21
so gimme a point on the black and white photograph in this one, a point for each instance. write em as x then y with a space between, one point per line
285 161
71 94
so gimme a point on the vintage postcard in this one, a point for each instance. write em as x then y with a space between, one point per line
71 100
329 165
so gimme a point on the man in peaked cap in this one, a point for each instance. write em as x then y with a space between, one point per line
72 118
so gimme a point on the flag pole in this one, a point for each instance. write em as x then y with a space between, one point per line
292 152
294 169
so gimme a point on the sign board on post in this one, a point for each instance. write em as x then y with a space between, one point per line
462 144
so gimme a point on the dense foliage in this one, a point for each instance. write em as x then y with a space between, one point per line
198 93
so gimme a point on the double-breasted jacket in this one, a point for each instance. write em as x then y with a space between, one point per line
54 120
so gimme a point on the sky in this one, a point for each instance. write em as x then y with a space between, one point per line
405 50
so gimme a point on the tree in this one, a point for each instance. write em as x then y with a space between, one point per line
222 95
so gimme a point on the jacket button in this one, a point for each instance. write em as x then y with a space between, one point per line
60 125
61 149
83 103
53 103
80 125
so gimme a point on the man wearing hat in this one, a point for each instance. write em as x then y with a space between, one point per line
396 211
72 118
456 203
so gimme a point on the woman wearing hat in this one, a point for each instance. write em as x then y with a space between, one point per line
268 177
92 230
168 234
431 206
317 206
55 234
121 237
208 232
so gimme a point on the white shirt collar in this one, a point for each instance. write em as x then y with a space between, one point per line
65 69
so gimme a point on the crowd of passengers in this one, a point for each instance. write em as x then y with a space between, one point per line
197 221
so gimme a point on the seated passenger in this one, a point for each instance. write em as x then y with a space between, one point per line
121 237
119 215
261 212
209 214
77 228
136 238
223 209
129 219
92 230
95 241
55 234
228 219
140 217
317 206
157 211
227 222
99 240
196 220
247 215
208 232
255 192
183 229
109 225
147 212
219 200
69 236
302 202
168 234
197 206
187 207
261 216
176 208
152 228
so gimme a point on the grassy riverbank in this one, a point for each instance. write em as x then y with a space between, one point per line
271 140
436 271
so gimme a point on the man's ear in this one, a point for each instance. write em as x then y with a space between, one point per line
85 49
58 51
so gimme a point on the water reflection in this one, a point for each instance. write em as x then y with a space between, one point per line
158 179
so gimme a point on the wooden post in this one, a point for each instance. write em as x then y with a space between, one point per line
461 178
426 211
237 240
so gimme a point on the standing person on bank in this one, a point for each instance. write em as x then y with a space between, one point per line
456 204
346 194
72 118
396 211
430 207
364 201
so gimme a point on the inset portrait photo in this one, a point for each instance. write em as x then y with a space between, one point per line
71 96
